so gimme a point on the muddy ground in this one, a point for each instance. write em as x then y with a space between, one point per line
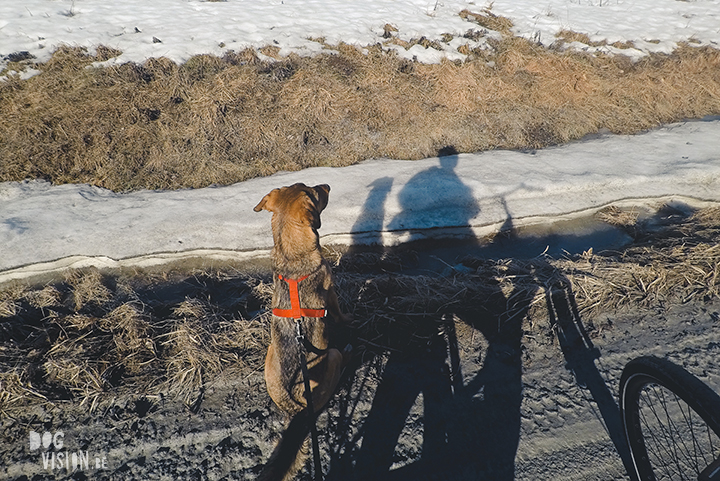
497 387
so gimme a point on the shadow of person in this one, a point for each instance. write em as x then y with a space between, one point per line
436 197
367 229
462 426
468 431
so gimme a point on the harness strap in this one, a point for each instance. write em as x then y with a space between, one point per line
295 311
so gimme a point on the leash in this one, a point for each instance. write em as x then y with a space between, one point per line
302 340
297 314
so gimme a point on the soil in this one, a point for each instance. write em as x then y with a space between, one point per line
482 392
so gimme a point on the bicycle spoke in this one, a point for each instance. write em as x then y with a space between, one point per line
697 452
663 435
678 443
682 448
699 433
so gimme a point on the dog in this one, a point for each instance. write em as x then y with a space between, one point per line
300 271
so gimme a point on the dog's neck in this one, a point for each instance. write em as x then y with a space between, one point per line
297 247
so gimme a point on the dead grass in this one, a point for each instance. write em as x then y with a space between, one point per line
489 20
653 277
178 332
569 36
201 344
95 334
618 217
87 288
222 120
682 267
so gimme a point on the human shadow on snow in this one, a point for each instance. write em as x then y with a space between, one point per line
422 205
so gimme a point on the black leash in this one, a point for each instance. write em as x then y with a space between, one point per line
307 346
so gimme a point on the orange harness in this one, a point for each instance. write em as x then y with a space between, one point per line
295 311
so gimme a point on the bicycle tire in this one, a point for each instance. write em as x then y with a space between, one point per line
658 438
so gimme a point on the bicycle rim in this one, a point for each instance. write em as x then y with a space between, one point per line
671 432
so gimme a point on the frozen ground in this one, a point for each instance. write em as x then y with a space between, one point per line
524 405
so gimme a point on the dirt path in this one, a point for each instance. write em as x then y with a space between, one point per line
565 433
516 406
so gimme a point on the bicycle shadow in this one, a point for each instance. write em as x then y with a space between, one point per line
424 390
580 356
426 415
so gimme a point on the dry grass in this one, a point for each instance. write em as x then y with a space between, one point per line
615 216
177 332
568 36
649 276
222 120
95 334
201 344
489 20
679 269
87 288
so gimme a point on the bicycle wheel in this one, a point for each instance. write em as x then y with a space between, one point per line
672 421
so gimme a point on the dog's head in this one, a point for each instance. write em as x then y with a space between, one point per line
298 202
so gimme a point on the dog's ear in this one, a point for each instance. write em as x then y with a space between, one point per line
316 201
323 193
268 202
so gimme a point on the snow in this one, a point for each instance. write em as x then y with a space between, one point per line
44 228
377 201
653 26
178 29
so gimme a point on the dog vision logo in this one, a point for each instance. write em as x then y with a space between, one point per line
59 459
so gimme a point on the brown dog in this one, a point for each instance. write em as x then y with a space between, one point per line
300 271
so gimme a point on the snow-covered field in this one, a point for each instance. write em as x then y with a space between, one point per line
378 200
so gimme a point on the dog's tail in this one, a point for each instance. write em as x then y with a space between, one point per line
284 458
